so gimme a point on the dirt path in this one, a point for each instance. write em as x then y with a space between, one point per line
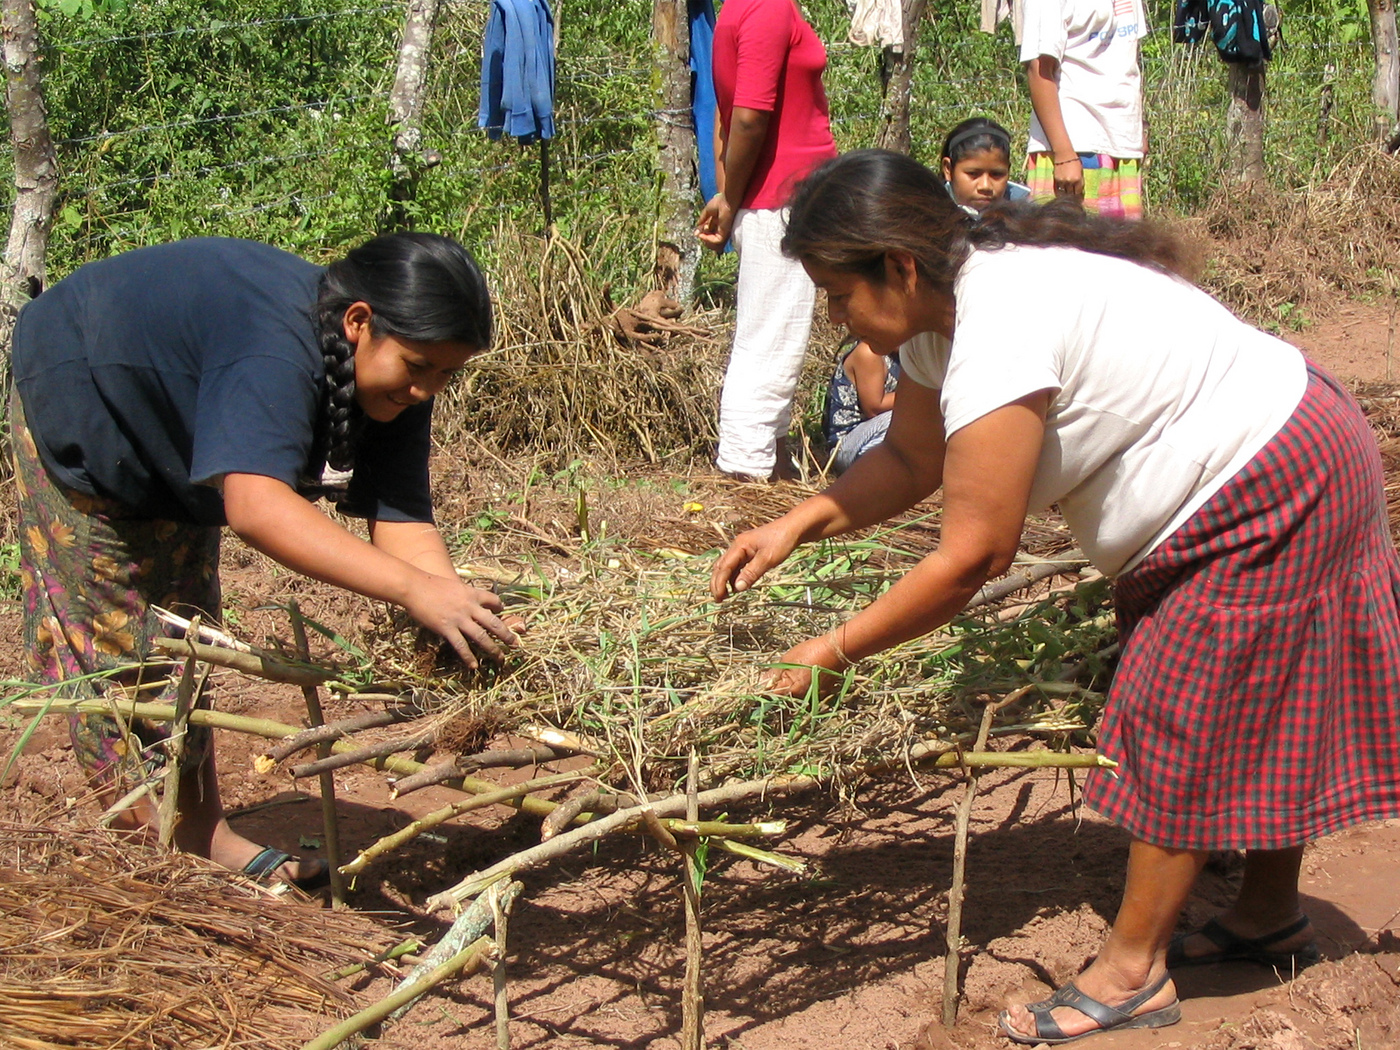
851 955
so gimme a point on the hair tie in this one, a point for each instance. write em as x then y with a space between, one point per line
989 129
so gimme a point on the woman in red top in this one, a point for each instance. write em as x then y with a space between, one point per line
773 129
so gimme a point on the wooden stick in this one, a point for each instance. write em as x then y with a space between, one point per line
468 926
269 667
693 991
1068 562
263 727
952 962
498 972
463 963
201 632
330 819
269 759
604 826
795 865
513 758
130 799
328 763
175 746
598 803
438 816
390 954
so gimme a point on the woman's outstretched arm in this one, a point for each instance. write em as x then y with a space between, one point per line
270 516
893 476
989 467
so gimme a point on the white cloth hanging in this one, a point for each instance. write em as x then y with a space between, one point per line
877 23
995 12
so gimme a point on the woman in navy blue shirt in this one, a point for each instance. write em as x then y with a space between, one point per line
168 391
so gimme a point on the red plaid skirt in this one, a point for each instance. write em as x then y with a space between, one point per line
1257 700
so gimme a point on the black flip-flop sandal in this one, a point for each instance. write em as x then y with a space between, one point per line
1109 1018
264 866
1231 947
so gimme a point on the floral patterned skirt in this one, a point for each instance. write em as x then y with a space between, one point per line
91 569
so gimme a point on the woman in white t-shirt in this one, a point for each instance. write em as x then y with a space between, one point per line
1232 488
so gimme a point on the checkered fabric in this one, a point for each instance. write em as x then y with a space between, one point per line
1112 185
1257 700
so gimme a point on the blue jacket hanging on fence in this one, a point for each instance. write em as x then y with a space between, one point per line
517 71
1236 26
702 92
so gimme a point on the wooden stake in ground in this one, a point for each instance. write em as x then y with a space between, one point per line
464 963
185 695
693 993
953 960
329 818
499 915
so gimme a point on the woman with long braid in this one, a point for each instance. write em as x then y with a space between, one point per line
168 391
1233 489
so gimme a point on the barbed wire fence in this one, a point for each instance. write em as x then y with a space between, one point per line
169 122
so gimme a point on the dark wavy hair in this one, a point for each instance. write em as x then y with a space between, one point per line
421 287
852 210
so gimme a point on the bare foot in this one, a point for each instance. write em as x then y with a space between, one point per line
1097 982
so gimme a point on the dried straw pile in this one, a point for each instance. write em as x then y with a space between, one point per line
1273 251
564 380
626 650
104 943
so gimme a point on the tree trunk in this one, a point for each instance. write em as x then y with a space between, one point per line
1385 89
36 168
1244 125
409 161
898 82
677 249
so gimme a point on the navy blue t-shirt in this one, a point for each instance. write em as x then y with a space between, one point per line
149 376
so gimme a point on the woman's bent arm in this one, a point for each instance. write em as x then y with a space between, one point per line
990 465
270 516
891 477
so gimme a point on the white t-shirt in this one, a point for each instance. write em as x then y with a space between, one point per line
1159 394
1096 44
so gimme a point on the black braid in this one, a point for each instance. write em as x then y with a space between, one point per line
341 417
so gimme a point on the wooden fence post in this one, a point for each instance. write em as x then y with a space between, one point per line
1385 88
409 161
677 249
36 168
894 107
1244 122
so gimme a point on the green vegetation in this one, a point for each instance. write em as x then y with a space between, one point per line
266 120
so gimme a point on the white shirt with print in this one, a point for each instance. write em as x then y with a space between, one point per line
1100 83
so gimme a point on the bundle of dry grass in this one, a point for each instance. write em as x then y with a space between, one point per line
1276 251
564 379
107 943
627 652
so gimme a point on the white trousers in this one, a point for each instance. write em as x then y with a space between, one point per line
773 318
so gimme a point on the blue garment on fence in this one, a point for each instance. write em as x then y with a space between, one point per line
702 90
517 71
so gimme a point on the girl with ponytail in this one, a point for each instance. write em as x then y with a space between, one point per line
169 391
1232 488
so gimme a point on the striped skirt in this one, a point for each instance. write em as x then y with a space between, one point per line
1112 185
91 572
1257 699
